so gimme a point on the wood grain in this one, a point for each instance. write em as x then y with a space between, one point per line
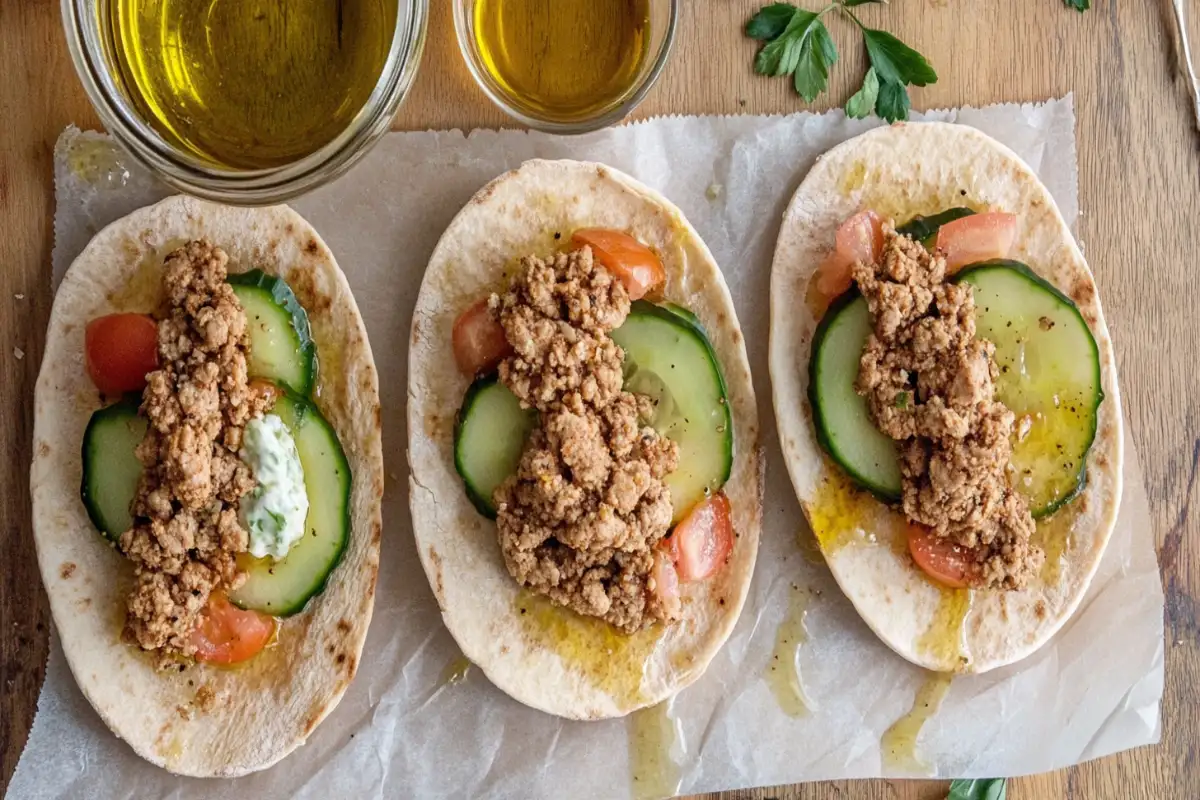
1139 161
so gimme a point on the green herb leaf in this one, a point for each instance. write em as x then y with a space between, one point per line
901 400
782 55
896 62
770 21
817 54
893 103
1078 5
853 3
978 789
863 102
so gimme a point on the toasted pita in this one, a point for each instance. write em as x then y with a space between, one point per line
901 171
260 712
547 657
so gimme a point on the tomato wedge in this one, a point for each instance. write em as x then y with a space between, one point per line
479 341
979 237
228 635
120 350
947 563
859 238
700 545
634 264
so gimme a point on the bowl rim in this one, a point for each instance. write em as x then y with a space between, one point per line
188 173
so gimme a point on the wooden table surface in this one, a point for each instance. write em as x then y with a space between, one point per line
1139 186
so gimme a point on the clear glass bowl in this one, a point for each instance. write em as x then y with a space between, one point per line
663 19
185 171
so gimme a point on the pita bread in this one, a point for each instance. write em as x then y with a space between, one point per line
264 709
547 657
899 172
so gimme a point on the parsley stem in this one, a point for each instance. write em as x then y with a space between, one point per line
849 13
827 9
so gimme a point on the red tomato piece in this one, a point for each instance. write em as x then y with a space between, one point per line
479 341
700 545
120 350
227 634
634 264
976 238
859 238
947 563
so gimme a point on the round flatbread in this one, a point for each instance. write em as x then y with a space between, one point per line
544 656
205 721
902 171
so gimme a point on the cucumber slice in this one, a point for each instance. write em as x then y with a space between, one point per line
669 358
925 229
489 435
282 588
840 415
110 468
281 345
1049 370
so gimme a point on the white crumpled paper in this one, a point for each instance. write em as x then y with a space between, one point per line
403 731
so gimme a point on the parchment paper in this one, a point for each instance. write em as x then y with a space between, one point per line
403 731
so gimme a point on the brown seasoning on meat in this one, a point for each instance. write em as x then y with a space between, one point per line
186 532
929 384
579 520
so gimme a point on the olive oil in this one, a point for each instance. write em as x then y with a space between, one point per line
562 60
899 742
249 84
653 735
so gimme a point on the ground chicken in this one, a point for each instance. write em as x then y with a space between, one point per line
579 520
186 532
929 384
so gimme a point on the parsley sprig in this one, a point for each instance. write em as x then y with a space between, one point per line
1078 5
797 43
978 789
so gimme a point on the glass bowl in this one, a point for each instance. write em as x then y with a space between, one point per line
193 175
663 18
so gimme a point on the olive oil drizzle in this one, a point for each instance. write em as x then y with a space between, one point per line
945 639
899 742
609 660
455 671
653 735
783 670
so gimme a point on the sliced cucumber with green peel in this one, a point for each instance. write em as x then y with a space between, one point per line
110 468
489 436
282 588
281 345
1049 372
925 229
841 416
669 358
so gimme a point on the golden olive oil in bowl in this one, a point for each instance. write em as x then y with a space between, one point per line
565 65
250 84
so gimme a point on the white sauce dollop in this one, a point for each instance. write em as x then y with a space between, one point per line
275 511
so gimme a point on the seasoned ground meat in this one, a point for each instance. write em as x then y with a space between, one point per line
186 532
929 384
579 520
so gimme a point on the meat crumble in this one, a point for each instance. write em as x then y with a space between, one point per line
930 385
580 519
186 533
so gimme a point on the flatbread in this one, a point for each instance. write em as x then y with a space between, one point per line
264 709
901 171
547 657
